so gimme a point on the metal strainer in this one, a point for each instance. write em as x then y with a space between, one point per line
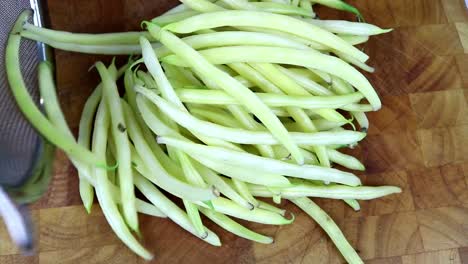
24 156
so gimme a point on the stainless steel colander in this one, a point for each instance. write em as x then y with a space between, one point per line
24 156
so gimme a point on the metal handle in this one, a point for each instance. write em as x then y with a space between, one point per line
17 221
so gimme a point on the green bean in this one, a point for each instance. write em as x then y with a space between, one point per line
243 190
340 5
231 86
245 175
245 120
305 58
326 191
84 171
320 124
354 40
287 2
232 38
194 216
290 87
86 39
191 172
355 62
255 77
216 97
272 208
277 8
159 128
330 228
149 209
213 97
174 17
146 79
269 165
171 209
348 27
164 160
362 120
106 49
257 215
307 5
224 68
295 2
357 108
214 179
189 76
28 106
344 160
175 77
309 43
139 165
103 190
280 112
159 175
353 204
323 75
141 206
152 63
119 133
202 5
339 86
306 73
211 141
324 125
193 177
243 136
307 83
234 227
282 154
55 115
215 116
265 20
176 9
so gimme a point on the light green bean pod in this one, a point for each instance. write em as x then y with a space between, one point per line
119 132
326 191
340 5
348 27
333 231
257 215
86 39
268 165
172 210
231 86
103 189
265 20
243 136
234 227
304 58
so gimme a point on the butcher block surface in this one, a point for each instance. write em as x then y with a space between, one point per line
418 141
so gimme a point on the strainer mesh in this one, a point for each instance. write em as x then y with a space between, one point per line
19 143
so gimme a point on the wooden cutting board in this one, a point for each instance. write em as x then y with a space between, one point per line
417 141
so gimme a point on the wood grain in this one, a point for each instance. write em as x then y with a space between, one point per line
443 228
416 141
383 236
441 146
450 256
